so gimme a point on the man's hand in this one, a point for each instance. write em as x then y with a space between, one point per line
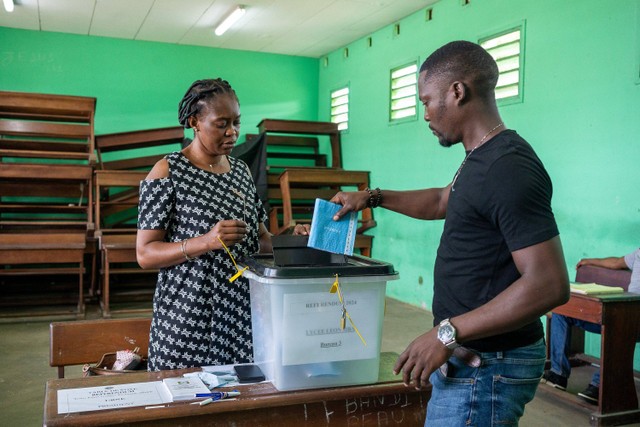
614 263
421 358
351 201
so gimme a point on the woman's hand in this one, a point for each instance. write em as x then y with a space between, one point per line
230 231
302 229
351 201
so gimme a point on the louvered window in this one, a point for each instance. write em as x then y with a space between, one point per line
506 49
340 108
404 81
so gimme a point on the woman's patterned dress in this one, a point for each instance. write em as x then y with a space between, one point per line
199 317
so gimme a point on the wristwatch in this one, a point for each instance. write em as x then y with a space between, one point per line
447 334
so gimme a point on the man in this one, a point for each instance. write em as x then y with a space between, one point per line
561 325
499 265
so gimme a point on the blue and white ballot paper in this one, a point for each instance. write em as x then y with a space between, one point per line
328 235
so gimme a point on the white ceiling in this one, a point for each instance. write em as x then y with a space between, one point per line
292 27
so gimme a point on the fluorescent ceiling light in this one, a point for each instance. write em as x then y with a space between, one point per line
231 19
8 5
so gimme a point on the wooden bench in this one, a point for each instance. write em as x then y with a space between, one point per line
80 342
169 139
45 126
119 258
300 127
47 252
46 158
283 150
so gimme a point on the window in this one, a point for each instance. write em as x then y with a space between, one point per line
506 49
404 90
340 108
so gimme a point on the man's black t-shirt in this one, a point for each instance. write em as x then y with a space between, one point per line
501 202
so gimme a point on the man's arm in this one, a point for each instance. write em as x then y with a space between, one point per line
421 204
614 263
543 285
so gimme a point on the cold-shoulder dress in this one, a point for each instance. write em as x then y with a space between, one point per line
199 317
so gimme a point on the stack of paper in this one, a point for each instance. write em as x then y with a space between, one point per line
181 388
594 289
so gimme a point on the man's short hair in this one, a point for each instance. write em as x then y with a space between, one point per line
459 60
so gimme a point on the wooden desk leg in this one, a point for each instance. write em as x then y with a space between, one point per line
618 341
106 314
80 308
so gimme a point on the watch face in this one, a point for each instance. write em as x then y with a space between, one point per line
445 333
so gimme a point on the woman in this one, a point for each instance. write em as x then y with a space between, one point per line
191 203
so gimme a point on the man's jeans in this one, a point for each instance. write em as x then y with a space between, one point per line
491 395
561 343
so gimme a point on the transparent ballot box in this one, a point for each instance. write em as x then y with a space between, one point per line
302 338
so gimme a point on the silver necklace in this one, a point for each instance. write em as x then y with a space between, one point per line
471 152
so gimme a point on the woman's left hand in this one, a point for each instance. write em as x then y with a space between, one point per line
302 229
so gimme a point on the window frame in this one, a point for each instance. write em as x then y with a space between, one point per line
519 98
637 64
331 92
414 117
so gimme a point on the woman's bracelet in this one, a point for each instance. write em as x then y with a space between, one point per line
379 198
183 246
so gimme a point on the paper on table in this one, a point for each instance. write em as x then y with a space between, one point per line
181 388
594 289
111 397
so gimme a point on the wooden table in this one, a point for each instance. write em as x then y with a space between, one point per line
381 404
619 315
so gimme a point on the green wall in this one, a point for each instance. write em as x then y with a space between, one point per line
139 84
581 113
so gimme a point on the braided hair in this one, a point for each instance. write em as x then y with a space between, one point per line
200 92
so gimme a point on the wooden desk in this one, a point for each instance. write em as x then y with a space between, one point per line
619 316
382 404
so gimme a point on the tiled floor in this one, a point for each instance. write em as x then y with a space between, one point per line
24 370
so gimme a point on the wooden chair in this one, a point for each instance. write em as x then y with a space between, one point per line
116 208
117 236
603 276
80 342
589 274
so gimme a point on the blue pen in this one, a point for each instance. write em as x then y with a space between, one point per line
216 396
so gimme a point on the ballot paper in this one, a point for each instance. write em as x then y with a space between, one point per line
112 397
127 395
338 237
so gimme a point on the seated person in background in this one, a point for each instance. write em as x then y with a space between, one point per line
561 328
